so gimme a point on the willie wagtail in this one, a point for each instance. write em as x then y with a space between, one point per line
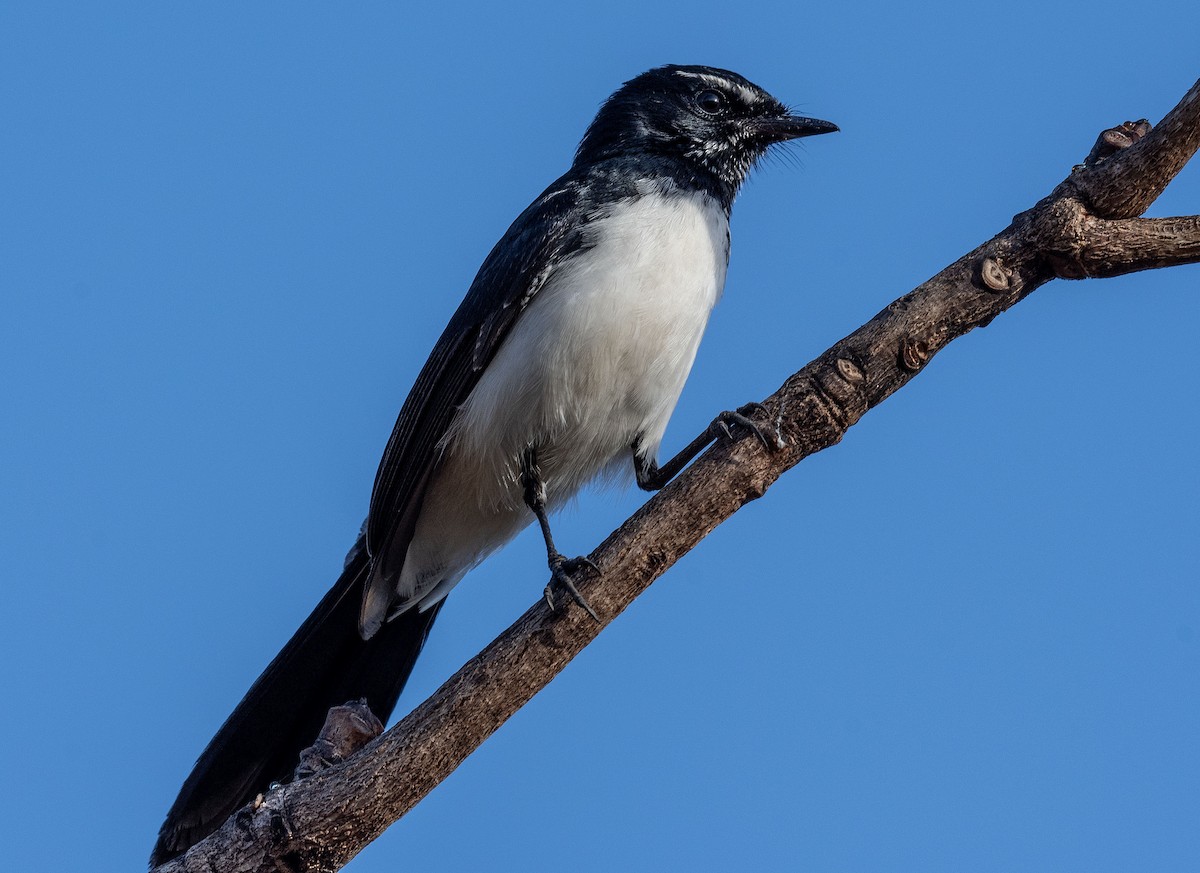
564 362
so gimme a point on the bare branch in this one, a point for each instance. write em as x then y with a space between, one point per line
1087 227
1133 244
1126 184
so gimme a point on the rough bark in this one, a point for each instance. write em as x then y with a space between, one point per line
1087 227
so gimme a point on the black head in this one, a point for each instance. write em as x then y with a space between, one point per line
712 119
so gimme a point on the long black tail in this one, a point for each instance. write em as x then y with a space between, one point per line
324 664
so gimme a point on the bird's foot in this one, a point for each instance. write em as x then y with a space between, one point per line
767 433
562 573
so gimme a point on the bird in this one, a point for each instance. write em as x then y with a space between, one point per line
563 363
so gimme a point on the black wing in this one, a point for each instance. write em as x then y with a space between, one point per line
550 230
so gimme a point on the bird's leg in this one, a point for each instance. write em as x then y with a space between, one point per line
562 569
652 476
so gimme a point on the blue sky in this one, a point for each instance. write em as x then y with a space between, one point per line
968 637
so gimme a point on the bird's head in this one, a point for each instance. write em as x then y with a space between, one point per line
713 119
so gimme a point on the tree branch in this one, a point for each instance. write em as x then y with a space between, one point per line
1130 245
1087 227
1126 184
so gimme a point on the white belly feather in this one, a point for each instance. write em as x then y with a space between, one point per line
597 359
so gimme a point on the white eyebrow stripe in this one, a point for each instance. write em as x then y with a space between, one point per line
751 97
748 95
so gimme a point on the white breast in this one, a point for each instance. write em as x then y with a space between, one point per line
597 360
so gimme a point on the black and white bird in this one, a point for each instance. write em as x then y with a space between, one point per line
564 362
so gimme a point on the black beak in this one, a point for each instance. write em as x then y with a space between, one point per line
785 127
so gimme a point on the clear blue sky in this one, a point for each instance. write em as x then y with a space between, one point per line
967 638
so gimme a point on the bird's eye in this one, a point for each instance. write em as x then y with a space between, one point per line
711 102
